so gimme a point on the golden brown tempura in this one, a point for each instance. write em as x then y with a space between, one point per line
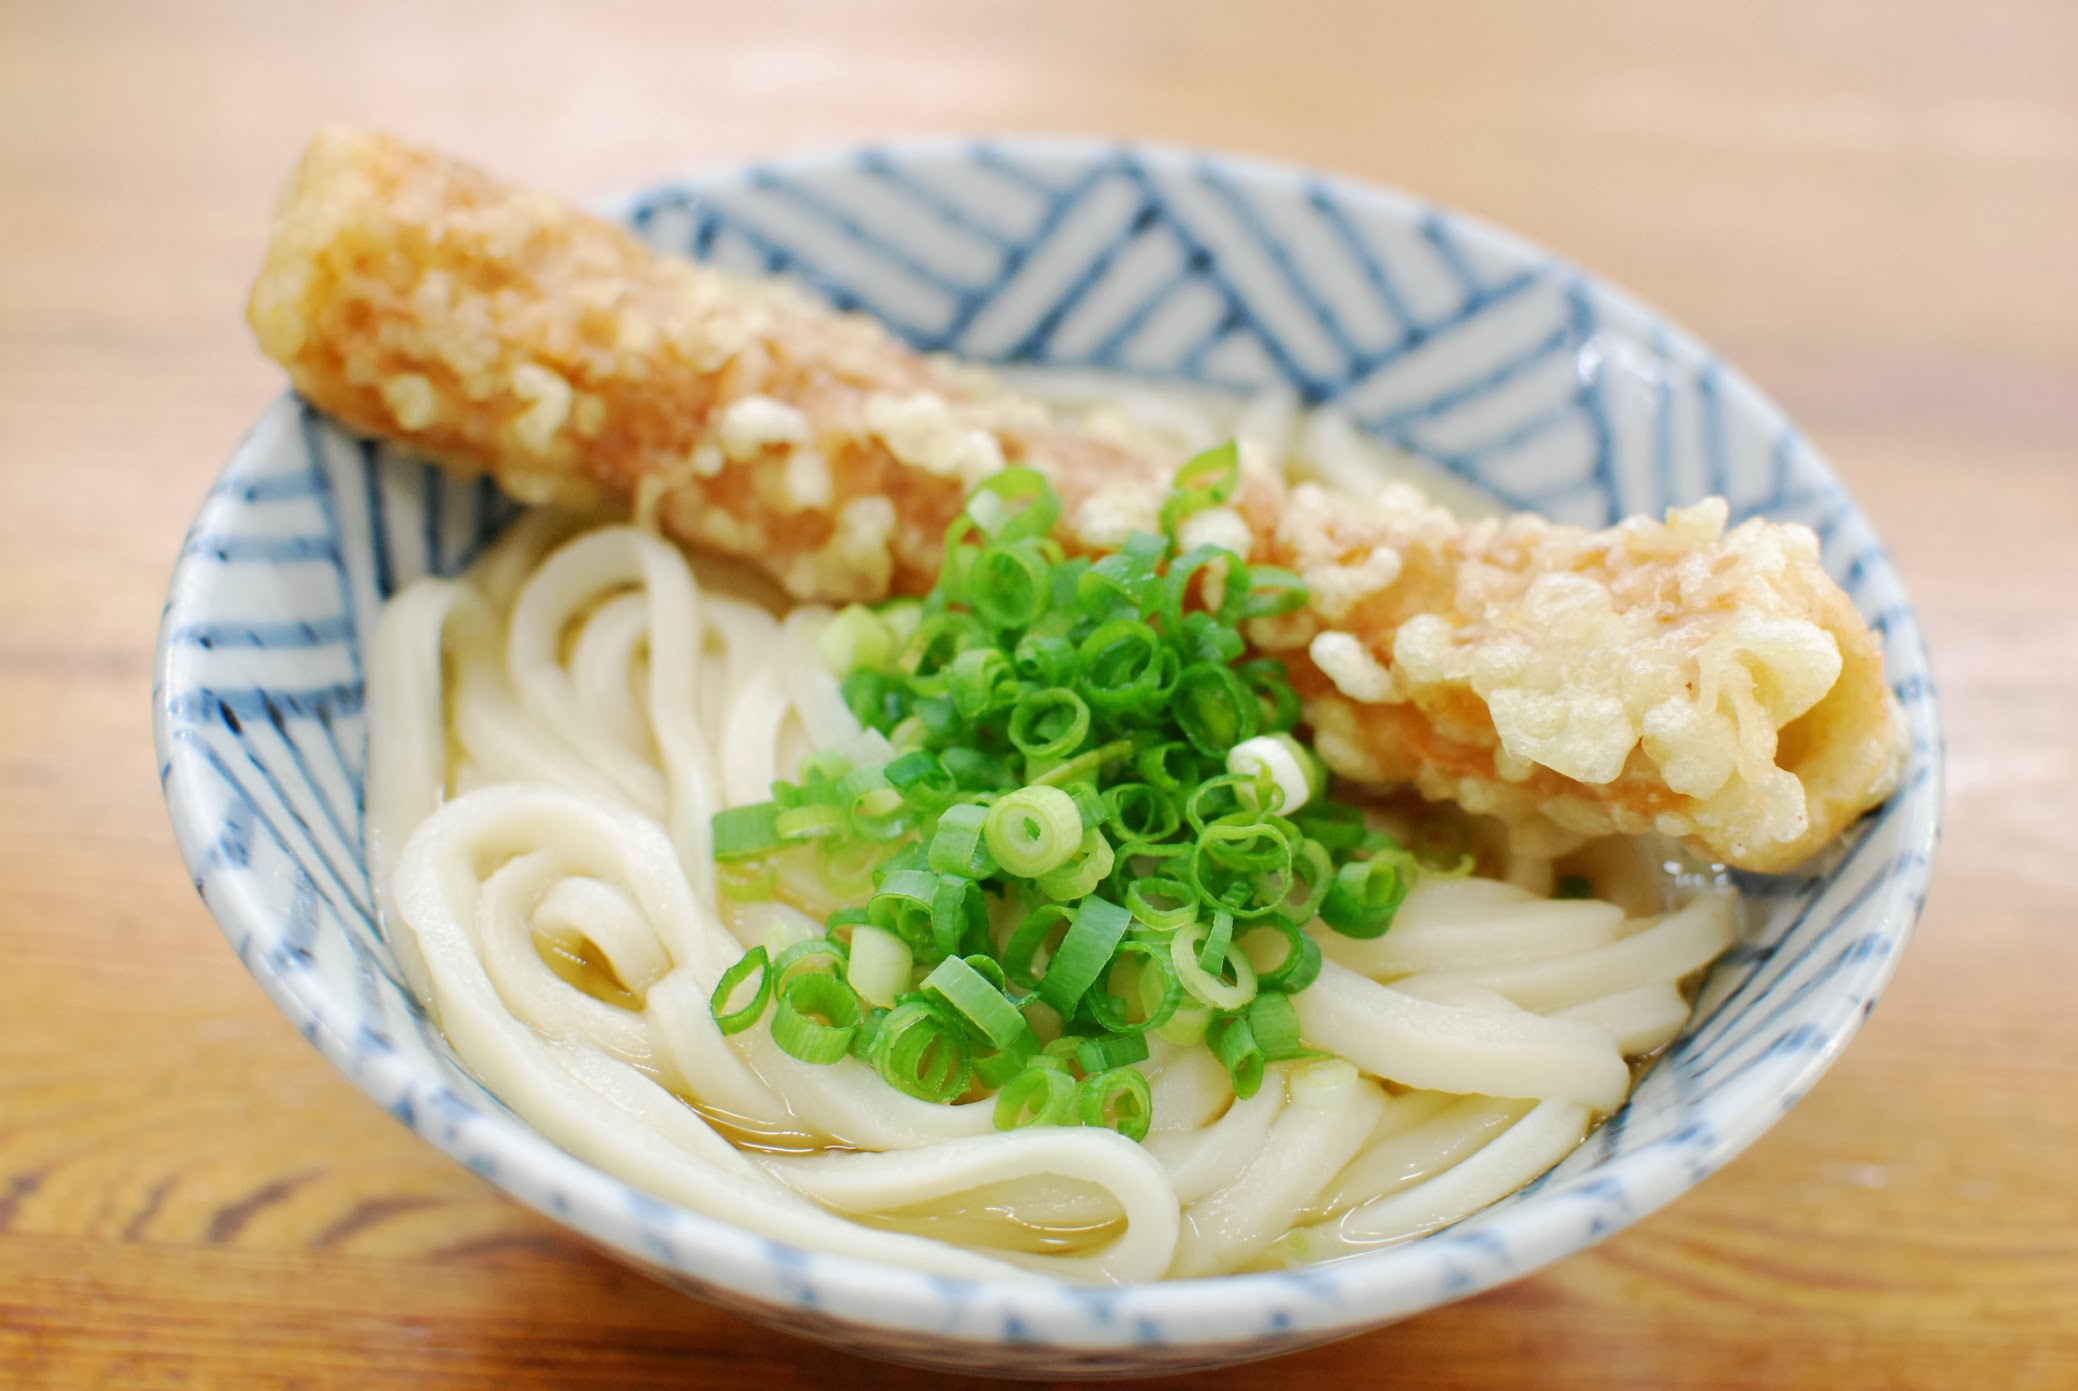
502 331
1674 676
1713 685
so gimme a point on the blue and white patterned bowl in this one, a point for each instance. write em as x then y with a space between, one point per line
1486 355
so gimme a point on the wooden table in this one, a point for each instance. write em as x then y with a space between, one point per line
1873 206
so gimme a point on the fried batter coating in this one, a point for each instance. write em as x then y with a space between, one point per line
502 331
1674 676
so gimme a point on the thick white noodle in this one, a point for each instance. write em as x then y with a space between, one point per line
1641 1021
848 1102
1525 1150
1683 942
407 752
1188 1087
1459 924
609 645
503 934
1208 1157
1420 1043
575 910
593 1105
1330 1112
929 1175
1422 1151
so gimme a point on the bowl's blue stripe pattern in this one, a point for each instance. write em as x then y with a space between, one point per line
1521 373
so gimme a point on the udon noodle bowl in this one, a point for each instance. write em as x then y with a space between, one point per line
553 733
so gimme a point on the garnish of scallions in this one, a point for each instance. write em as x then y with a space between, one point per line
1079 817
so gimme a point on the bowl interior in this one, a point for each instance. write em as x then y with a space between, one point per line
1440 336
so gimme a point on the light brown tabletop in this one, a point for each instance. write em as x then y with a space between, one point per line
1870 205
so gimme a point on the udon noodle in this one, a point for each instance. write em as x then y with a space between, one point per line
552 733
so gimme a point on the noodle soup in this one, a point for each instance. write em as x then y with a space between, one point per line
553 735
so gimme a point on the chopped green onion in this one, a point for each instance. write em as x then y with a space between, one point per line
1094 935
1233 1042
1312 871
959 916
1141 811
1083 871
1573 886
856 637
1275 1024
742 832
1207 987
841 927
1207 480
1202 638
1336 825
1125 665
1297 775
1107 1051
1036 1096
1266 677
1060 1053
1118 1099
867 694
1049 723
982 680
1088 764
1219 935
1241 866
975 770
1272 593
1125 583
1161 903
957 846
1169 765
922 1053
1033 830
1156 983
1217 798
754 963
816 1017
1290 970
939 717
1213 708
812 822
903 906
1045 658
995 1066
1021 952
1364 898
811 956
936 644
981 1005
1008 586
869 1029
879 965
1025 504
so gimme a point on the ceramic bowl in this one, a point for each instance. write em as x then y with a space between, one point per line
1479 352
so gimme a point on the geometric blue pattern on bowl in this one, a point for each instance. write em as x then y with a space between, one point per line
1488 356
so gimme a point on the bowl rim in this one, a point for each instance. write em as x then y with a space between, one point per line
1367 1289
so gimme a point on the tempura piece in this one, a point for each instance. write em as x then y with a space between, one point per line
1670 676
502 331
1674 676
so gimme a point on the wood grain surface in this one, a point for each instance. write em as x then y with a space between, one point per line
1872 205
